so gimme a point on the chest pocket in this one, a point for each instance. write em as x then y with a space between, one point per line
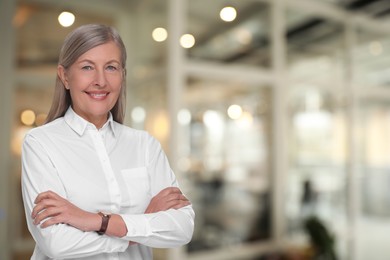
138 188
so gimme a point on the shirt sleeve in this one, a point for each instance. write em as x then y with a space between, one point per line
164 229
58 241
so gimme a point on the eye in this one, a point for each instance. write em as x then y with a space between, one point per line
87 67
112 68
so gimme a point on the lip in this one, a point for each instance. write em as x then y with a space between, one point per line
97 95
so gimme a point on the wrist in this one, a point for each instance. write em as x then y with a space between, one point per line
91 222
96 222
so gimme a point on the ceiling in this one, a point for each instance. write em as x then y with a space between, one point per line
244 41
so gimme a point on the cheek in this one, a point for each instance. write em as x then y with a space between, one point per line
78 82
116 84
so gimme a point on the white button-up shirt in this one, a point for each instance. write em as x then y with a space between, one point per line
114 169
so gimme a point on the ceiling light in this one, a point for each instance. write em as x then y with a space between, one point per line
228 14
234 111
159 34
187 41
66 19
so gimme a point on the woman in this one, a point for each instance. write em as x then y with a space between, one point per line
93 188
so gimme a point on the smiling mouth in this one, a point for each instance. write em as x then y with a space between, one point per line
97 96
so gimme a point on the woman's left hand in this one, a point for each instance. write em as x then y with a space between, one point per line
53 209
168 198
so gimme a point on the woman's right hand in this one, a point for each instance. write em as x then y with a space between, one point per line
50 209
168 198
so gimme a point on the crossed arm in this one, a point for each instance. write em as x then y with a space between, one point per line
51 209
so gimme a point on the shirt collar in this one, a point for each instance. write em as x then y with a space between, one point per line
79 124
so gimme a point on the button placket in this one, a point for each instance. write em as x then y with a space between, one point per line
113 187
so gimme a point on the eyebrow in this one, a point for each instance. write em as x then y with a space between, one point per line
90 61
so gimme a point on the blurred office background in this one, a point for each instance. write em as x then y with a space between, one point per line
271 111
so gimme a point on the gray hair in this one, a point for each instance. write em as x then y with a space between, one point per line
78 42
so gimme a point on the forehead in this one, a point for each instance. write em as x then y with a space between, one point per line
104 52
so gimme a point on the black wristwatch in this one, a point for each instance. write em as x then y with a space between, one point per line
105 219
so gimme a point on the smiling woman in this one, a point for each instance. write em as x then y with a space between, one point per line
85 49
94 82
134 202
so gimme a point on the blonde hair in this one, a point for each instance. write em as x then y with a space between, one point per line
78 42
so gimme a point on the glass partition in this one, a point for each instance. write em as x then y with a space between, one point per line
225 153
317 128
374 224
317 172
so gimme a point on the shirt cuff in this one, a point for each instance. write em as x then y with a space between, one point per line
137 226
116 245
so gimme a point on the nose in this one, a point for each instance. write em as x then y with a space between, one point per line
100 78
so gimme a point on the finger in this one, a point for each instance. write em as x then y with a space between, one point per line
181 205
41 196
50 212
46 195
51 221
174 204
182 197
170 190
175 196
44 204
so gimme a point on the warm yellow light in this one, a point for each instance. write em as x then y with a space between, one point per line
187 41
246 120
159 34
40 119
66 19
234 111
17 139
160 126
27 117
228 14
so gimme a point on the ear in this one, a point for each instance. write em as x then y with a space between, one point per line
62 75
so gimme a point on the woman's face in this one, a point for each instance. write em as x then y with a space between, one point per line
94 82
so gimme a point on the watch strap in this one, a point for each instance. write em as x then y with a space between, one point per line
105 219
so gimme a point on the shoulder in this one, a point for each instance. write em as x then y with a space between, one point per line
43 131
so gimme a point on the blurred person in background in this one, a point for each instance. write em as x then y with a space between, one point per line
93 188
